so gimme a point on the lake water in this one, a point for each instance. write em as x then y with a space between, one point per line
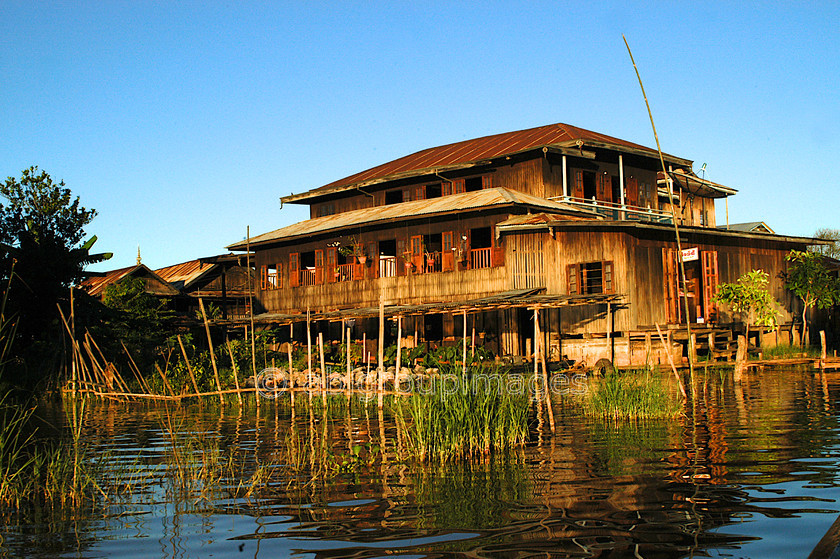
750 470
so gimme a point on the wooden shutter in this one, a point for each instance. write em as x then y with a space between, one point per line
670 275
420 193
447 259
577 186
279 276
603 187
294 269
319 267
458 186
263 278
487 181
572 279
710 282
607 271
446 188
330 268
400 257
631 192
417 256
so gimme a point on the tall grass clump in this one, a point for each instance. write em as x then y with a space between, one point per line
463 414
787 351
631 395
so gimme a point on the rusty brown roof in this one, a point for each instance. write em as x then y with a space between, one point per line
480 149
95 286
489 197
182 275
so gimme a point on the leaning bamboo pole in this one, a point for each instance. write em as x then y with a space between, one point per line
189 366
323 366
212 353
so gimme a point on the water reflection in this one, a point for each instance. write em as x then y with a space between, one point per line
750 469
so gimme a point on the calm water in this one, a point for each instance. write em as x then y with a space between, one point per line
750 471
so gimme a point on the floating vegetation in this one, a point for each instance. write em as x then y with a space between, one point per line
460 414
638 393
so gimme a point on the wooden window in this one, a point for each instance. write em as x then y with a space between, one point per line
447 188
487 181
420 193
263 277
294 269
394 197
417 256
458 186
590 278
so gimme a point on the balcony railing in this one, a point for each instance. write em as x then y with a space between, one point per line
307 277
344 272
387 266
481 258
617 212
432 262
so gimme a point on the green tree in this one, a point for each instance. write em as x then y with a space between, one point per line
751 297
826 234
809 278
41 254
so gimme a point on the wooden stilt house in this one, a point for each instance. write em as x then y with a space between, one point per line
558 218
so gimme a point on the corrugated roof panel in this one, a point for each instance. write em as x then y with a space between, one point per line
479 149
408 210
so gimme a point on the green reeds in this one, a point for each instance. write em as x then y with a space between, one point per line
462 414
636 394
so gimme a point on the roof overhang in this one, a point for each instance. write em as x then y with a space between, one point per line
690 182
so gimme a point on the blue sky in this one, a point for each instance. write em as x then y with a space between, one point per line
183 123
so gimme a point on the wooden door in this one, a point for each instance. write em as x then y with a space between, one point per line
631 192
710 284
294 269
447 259
671 278
577 185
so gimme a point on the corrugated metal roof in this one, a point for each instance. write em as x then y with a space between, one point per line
476 150
182 275
408 210
97 284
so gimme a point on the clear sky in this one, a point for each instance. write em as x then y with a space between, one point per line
184 122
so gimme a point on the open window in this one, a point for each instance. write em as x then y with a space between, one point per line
388 258
481 247
393 197
271 277
590 278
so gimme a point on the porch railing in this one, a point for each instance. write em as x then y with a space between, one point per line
617 212
480 258
432 262
307 277
344 272
387 266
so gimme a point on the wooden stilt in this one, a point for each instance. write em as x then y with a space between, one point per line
380 370
667 349
539 355
349 379
323 367
212 353
235 371
465 343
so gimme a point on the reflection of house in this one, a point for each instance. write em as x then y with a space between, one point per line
222 281
556 217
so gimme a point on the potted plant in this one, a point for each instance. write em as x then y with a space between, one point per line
355 250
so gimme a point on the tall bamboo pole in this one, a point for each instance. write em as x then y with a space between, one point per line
235 372
323 367
189 367
380 370
673 212
251 313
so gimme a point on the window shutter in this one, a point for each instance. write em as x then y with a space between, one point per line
572 279
294 268
420 193
607 270
331 269
498 256
279 275
417 253
577 187
447 260
263 278
447 188
487 181
319 267
401 253
458 186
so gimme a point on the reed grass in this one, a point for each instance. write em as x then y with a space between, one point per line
634 394
787 351
463 414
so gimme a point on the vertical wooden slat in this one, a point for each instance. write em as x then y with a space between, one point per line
710 282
